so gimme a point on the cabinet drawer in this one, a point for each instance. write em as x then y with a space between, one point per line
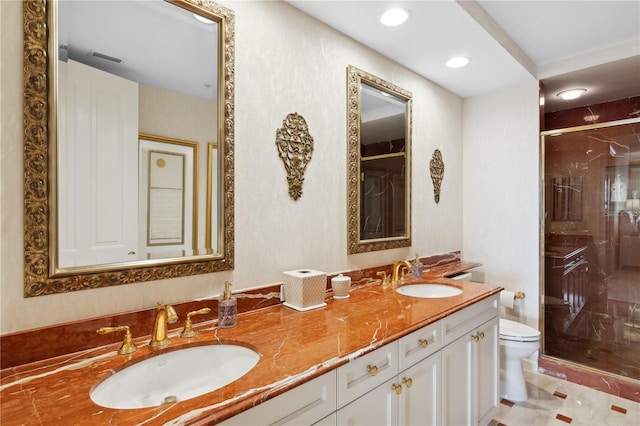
420 344
305 404
365 373
469 318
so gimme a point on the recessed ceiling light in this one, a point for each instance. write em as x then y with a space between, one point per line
394 17
567 95
458 61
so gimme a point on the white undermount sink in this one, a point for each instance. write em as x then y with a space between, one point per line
175 376
428 290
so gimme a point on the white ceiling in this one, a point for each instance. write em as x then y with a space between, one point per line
509 43
155 42
592 44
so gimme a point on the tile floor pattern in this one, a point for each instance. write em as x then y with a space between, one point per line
554 401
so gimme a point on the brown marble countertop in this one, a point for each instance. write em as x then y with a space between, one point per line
294 347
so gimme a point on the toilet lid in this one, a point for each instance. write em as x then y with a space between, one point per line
512 330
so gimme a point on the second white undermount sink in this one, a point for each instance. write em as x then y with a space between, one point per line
428 290
175 376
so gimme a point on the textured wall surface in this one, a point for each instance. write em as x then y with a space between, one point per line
501 192
287 62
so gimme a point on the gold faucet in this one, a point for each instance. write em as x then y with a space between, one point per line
165 315
188 330
385 278
128 347
397 277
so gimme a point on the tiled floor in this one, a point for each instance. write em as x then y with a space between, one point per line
554 401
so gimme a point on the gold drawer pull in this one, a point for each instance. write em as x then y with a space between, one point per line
397 388
372 369
408 382
423 342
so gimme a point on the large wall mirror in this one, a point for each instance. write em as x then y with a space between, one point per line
129 134
379 163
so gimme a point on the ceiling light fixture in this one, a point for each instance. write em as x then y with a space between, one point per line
570 94
394 17
458 61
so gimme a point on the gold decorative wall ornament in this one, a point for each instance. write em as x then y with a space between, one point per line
42 275
436 166
295 146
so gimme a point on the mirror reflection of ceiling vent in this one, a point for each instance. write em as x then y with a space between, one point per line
105 57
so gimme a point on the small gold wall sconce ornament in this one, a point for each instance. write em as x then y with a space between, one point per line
436 166
295 146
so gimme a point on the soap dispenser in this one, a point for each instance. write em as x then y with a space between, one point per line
417 268
227 308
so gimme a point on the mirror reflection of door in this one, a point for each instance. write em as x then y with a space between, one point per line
383 186
154 72
382 165
168 197
98 141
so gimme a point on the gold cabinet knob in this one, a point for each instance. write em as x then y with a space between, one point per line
476 337
423 342
407 381
396 387
128 347
372 369
481 334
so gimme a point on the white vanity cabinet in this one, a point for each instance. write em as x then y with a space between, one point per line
420 376
471 365
444 373
313 402
409 396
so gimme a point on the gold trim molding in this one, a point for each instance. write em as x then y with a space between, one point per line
40 274
295 147
354 244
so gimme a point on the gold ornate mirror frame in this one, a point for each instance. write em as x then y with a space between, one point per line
41 276
355 242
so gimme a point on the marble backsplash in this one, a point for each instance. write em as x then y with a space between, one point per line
33 345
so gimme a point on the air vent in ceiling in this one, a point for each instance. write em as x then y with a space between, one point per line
105 57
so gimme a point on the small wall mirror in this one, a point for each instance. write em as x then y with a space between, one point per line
128 142
379 163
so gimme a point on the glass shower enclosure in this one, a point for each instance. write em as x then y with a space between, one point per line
591 246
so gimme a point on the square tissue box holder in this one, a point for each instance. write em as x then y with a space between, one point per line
305 289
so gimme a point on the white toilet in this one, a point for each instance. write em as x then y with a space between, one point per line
517 341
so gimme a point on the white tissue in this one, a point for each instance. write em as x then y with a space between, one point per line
507 298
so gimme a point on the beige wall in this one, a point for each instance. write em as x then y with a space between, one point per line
501 192
285 62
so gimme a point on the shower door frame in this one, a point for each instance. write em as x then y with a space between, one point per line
542 225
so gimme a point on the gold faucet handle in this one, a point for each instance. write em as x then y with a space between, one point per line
385 278
188 327
128 347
